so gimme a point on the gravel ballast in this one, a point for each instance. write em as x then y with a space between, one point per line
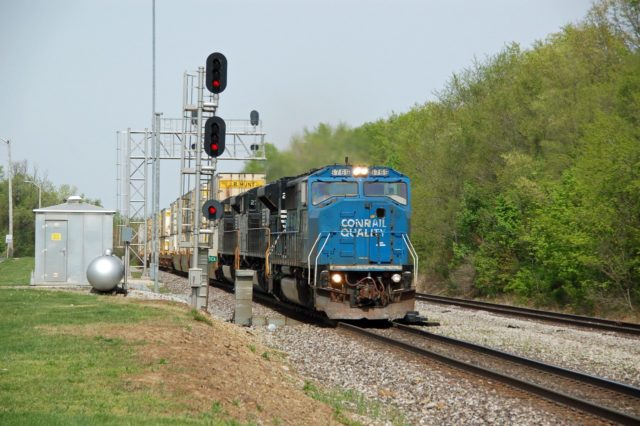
600 353
427 393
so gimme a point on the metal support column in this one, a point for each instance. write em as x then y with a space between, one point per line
199 287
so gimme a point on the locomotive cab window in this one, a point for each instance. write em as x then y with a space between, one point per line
397 191
321 191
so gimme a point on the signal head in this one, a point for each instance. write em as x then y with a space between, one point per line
254 117
212 210
216 73
214 134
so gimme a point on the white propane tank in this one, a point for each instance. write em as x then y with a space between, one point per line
105 272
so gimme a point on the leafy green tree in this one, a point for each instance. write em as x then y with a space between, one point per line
525 168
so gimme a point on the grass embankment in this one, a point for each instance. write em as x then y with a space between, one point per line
69 358
48 376
16 271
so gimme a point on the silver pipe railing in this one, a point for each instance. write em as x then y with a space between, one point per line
309 258
315 267
414 255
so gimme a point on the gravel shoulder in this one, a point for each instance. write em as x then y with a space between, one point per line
430 394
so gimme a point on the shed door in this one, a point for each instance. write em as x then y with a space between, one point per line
55 251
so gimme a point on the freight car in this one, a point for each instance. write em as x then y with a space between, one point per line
334 240
176 222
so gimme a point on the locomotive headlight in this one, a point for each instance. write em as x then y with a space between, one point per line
336 278
396 278
359 171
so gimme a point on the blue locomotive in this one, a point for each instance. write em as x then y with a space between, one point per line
334 240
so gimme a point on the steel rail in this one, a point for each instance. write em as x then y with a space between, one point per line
548 394
549 368
578 320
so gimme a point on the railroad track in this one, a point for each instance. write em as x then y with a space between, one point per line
603 398
576 320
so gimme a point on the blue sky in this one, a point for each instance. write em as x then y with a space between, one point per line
76 71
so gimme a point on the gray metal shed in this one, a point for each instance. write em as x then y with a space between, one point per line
68 237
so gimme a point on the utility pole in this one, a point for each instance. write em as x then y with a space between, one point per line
155 171
39 192
9 238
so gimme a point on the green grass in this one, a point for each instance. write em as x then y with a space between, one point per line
16 271
51 378
199 316
343 401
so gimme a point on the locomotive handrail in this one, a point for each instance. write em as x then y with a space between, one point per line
236 251
309 259
315 267
275 243
236 254
267 269
267 252
279 234
414 255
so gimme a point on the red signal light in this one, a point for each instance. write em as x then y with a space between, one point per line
212 210
214 146
216 83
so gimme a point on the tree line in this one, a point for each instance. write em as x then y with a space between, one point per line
525 170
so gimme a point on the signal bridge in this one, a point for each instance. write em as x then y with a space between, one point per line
134 160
